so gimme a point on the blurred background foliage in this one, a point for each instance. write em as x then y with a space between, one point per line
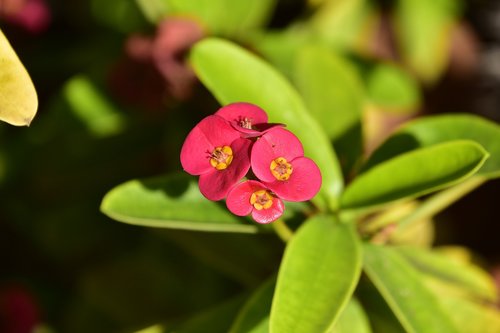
117 99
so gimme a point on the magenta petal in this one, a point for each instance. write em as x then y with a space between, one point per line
303 184
215 184
238 198
237 111
277 142
211 132
271 214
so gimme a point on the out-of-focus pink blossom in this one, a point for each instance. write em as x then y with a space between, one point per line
32 15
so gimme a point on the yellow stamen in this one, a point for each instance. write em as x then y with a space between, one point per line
221 157
281 169
261 199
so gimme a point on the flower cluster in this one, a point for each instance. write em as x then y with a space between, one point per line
237 143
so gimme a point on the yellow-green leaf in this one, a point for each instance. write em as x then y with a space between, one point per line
18 99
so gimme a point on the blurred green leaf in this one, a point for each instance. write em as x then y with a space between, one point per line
18 98
423 30
172 201
390 88
400 284
473 279
254 316
381 317
249 79
472 317
153 10
317 276
331 89
92 107
352 320
333 93
225 17
415 173
341 22
436 129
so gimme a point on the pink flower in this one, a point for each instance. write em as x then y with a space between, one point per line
253 197
278 161
215 151
248 119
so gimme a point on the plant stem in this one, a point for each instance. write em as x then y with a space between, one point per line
282 230
441 200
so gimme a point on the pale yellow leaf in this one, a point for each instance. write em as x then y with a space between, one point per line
18 99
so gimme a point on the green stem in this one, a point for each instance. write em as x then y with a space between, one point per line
282 230
441 200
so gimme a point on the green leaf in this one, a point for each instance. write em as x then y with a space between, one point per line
233 74
342 23
472 317
423 30
18 99
418 309
172 201
333 93
92 107
436 129
225 17
124 16
352 320
331 89
317 276
465 275
415 173
254 316
153 10
391 89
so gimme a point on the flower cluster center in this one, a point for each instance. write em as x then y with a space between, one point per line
245 123
221 157
261 199
281 169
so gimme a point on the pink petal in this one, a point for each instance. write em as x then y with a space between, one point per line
238 198
215 184
271 214
277 142
211 132
303 184
237 111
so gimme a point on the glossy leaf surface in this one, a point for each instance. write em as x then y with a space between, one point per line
172 201
317 276
436 129
415 173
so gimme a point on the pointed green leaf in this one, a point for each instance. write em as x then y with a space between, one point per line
465 275
415 173
417 308
254 316
18 99
233 74
172 201
352 319
317 276
436 129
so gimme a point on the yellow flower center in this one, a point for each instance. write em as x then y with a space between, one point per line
281 169
261 199
221 157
